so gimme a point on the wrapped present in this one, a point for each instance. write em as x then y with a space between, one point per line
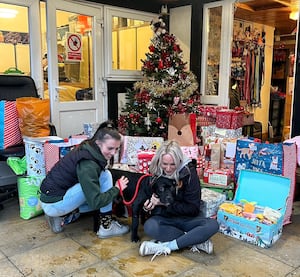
229 133
220 177
228 191
131 145
224 118
204 120
211 200
237 119
89 129
191 152
229 119
54 150
207 131
210 110
34 152
144 160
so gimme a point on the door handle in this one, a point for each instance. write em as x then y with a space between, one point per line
60 88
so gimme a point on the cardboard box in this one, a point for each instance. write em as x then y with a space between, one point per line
270 193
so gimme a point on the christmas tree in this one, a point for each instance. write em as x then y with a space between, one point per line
166 88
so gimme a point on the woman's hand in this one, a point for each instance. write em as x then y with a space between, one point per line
151 203
122 183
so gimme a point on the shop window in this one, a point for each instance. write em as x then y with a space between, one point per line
127 38
130 41
14 39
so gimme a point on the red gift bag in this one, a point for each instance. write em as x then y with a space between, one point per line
144 160
10 133
57 149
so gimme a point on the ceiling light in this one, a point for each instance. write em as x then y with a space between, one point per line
294 15
7 13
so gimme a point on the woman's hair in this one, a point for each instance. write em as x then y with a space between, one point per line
168 147
105 131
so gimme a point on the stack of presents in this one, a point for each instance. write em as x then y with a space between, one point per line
248 185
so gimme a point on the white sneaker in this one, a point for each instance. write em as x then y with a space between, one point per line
206 247
153 248
115 229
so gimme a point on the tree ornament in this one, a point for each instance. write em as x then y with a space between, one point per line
148 121
176 100
158 120
151 48
162 126
160 64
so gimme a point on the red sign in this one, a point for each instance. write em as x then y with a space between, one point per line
74 47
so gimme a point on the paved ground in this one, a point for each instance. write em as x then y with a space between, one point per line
29 248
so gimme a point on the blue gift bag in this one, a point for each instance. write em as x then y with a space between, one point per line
264 157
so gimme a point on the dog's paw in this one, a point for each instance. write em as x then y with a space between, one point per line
135 239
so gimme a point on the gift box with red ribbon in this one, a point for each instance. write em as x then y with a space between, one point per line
229 119
210 110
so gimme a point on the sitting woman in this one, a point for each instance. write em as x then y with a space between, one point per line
179 224
82 180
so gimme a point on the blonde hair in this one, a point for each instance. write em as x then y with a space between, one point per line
173 149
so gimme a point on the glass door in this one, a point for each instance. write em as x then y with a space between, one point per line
72 65
216 54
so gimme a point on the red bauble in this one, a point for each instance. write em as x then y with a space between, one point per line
151 48
131 115
158 120
160 64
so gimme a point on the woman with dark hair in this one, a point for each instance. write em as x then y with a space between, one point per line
81 180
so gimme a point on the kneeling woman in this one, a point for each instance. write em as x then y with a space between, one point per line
81 180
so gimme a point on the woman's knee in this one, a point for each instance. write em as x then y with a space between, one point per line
214 225
151 227
105 181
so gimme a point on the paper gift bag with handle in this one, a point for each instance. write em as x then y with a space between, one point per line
180 130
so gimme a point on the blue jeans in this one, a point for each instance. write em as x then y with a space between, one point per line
74 198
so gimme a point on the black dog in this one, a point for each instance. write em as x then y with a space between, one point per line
164 188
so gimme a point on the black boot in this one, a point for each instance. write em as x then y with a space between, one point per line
96 218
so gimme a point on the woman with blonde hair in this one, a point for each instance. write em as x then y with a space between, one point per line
179 224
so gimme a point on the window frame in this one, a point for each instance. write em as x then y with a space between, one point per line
110 12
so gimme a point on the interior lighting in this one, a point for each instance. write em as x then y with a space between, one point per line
294 15
7 13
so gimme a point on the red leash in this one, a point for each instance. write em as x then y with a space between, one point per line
136 189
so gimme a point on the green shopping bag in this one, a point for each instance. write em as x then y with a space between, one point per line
29 200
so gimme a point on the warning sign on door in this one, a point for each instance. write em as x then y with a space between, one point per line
74 47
